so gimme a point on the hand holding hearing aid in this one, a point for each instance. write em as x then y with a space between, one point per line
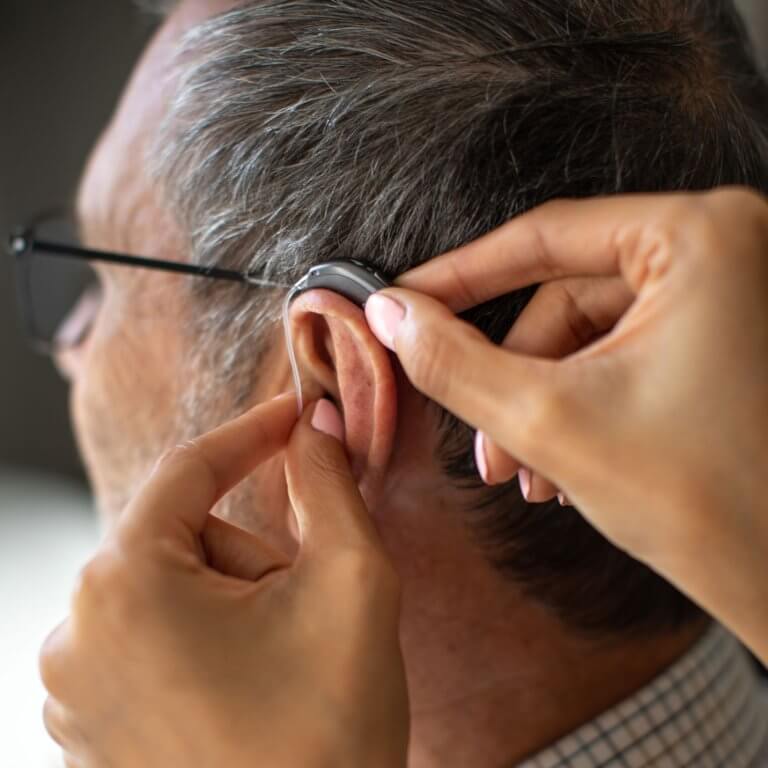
636 380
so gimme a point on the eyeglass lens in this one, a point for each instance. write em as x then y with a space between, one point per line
60 295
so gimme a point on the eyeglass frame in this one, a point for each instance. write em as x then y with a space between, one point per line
22 242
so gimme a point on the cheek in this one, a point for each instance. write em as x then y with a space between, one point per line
123 398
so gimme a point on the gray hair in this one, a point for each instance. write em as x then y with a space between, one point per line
391 131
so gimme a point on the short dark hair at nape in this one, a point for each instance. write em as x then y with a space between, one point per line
394 131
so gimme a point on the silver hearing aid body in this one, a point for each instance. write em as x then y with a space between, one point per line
351 279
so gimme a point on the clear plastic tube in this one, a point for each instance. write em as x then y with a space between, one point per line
289 343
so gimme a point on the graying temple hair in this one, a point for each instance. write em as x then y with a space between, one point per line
392 131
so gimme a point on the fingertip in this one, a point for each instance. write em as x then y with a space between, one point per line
524 478
384 315
327 418
481 458
501 466
541 489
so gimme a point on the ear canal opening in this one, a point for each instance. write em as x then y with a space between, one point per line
321 342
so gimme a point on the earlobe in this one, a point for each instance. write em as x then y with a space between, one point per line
338 356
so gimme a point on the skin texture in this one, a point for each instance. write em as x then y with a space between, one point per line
683 367
492 676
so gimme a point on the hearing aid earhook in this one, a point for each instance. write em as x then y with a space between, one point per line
352 279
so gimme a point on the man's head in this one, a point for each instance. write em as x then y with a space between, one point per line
290 132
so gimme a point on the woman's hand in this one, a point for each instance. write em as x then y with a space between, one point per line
657 431
191 643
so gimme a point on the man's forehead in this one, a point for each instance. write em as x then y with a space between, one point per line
148 90
115 184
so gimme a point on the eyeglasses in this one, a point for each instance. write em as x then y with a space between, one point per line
59 290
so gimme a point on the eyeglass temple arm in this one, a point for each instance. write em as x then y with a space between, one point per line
21 242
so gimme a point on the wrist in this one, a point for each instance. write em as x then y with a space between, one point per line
723 566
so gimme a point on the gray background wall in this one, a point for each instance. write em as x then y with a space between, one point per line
62 65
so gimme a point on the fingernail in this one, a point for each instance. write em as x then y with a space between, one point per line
561 499
481 457
524 476
327 419
384 315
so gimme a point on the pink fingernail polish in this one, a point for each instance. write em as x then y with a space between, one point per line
524 476
481 458
384 315
327 419
561 499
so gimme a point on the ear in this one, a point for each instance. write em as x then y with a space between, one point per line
339 357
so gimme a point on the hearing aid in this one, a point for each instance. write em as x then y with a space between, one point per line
350 278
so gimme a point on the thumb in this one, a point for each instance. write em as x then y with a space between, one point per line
515 399
238 553
330 512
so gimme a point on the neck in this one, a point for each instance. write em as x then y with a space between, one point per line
489 696
493 677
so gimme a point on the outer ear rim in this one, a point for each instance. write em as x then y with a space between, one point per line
355 370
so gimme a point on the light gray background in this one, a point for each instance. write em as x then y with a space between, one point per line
62 65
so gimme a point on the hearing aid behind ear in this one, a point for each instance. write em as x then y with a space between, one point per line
351 279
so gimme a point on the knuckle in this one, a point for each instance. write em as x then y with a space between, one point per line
366 571
738 199
52 721
105 592
747 206
182 452
186 459
579 324
663 234
462 285
95 578
694 220
548 413
64 726
536 242
51 663
682 228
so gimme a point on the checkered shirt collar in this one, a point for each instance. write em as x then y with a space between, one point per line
705 711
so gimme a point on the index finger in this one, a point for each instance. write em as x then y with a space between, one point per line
193 477
563 238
